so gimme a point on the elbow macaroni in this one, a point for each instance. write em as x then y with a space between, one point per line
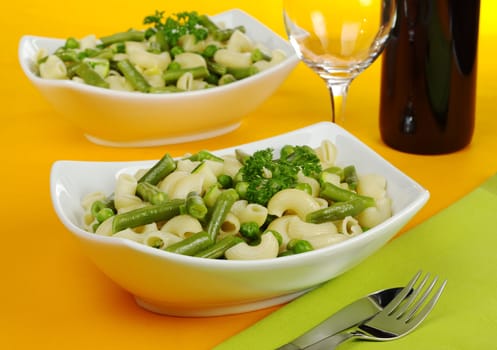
268 248
159 239
292 201
182 226
233 59
230 226
327 153
190 60
239 42
125 192
139 56
247 212
53 68
299 229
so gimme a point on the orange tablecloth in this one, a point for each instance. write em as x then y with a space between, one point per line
52 296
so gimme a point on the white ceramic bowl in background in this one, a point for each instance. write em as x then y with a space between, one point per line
182 285
115 118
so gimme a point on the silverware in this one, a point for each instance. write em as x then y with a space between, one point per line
400 317
349 316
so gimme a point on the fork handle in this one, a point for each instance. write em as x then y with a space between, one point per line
332 342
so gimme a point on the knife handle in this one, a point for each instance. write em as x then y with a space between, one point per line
289 346
332 342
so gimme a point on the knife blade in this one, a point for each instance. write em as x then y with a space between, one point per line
347 317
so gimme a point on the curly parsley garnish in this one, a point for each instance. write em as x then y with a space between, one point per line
177 25
266 176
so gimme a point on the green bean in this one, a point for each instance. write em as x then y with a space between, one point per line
147 215
208 23
242 73
218 33
71 69
218 249
133 76
191 245
160 38
99 65
89 52
226 79
216 68
173 75
130 35
221 208
205 155
350 176
68 55
195 206
150 193
332 192
106 54
258 55
224 34
338 211
90 76
209 51
104 214
160 170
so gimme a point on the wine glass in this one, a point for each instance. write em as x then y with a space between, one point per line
338 39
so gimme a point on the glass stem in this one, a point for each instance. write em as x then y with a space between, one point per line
338 93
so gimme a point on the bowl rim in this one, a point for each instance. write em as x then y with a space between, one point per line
422 196
290 61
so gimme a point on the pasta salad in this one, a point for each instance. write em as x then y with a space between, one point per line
182 52
241 206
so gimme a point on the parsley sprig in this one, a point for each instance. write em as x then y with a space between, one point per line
177 25
265 176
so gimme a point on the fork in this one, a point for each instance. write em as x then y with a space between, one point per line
401 316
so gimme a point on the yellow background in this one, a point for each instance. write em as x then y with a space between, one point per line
52 296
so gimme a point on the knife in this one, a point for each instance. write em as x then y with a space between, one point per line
347 317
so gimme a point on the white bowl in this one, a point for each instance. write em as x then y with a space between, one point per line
174 284
127 119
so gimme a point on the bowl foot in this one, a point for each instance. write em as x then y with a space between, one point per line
217 310
165 140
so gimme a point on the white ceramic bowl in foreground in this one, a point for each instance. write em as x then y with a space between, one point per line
131 119
182 285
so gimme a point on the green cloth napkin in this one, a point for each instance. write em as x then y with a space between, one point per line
458 244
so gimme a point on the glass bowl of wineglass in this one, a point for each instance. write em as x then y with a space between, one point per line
338 39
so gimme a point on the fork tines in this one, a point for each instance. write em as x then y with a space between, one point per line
411 306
